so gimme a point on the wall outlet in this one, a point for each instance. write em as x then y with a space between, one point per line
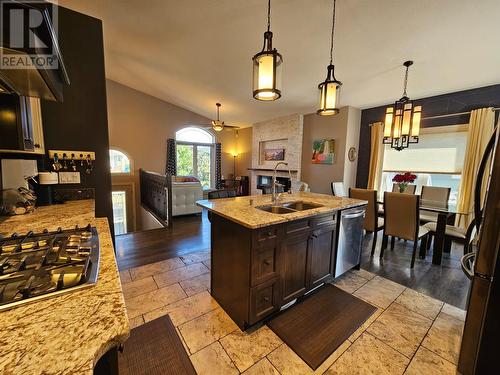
69 177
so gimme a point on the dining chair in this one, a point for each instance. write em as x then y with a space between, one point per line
372 222
338 189
401 219
456 234
438 196
410 189
223 193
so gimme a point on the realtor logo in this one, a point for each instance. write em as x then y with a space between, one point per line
27 30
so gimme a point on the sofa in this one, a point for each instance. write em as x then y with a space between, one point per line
186 190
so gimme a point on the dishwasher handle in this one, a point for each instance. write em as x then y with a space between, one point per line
353 215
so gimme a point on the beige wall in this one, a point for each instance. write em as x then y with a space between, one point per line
344 128
140 125
236 142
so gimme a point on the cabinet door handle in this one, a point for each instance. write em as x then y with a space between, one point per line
270 234
267 262
265 299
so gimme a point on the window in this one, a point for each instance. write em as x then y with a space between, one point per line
120 163
437 159
195 155
119 212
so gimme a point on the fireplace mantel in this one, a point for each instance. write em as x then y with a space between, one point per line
272 170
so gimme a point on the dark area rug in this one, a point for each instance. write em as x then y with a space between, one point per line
154 348
316 326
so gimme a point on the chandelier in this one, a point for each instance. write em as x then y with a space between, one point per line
402 120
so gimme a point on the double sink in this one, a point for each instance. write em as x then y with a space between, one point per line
288 207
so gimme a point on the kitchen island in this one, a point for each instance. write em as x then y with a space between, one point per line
265 256
68 333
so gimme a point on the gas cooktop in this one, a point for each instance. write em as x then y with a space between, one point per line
41 265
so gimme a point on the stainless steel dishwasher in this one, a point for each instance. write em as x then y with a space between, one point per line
350 239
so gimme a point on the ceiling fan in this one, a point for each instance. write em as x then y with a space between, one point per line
219 125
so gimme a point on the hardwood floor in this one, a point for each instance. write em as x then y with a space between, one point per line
192 233
188 234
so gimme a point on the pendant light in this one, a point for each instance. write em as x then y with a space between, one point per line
218 125
329 90
402 121
267 67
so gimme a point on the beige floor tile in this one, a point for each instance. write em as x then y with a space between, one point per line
400 328
420 303
208 263
125 277
350 282
152 300
180 274
246 348
363 273
288 362
454 312
138 287
197 284
206 329
365 325
380 291
197 257
426 362
213 360
263 367
368 355
185 309
444 337
154 268
136 322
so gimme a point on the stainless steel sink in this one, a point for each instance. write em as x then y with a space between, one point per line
301 206
276 209
288 207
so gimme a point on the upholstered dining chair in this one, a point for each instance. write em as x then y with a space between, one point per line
438 196
338 189
410 189
401 219
372 222
456 234
223 193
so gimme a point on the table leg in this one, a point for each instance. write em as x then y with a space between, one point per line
439 239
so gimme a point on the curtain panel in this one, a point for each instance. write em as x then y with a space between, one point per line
218 166
480 129
171 167
376 156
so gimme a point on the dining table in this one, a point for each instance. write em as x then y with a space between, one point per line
445 212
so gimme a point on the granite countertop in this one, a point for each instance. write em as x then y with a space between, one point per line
66 334
242 210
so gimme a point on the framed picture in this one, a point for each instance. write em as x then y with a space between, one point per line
323 150
274 154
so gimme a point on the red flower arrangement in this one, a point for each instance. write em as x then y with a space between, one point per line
403 179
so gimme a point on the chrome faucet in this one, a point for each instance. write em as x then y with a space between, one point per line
274 196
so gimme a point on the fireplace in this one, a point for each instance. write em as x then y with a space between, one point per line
264 183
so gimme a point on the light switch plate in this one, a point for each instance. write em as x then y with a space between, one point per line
69 177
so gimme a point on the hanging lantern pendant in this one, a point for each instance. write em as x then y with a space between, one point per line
267 67
402 121
329 90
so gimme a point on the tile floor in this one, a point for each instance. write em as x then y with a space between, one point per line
410 333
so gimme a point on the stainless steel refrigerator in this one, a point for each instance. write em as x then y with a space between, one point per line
480 353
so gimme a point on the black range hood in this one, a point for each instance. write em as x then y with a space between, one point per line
32 64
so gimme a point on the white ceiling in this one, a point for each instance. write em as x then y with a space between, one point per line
193 53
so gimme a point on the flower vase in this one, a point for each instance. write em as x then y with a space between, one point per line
402 187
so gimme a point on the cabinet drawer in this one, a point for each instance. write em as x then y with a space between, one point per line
266 235
264 265
320 221
299 226
264 300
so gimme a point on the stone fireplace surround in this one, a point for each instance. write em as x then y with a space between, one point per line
283 132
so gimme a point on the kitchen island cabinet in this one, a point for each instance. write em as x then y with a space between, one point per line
262 261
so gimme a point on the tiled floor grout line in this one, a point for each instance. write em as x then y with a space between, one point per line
230 358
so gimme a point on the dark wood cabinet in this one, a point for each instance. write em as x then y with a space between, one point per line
255 272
